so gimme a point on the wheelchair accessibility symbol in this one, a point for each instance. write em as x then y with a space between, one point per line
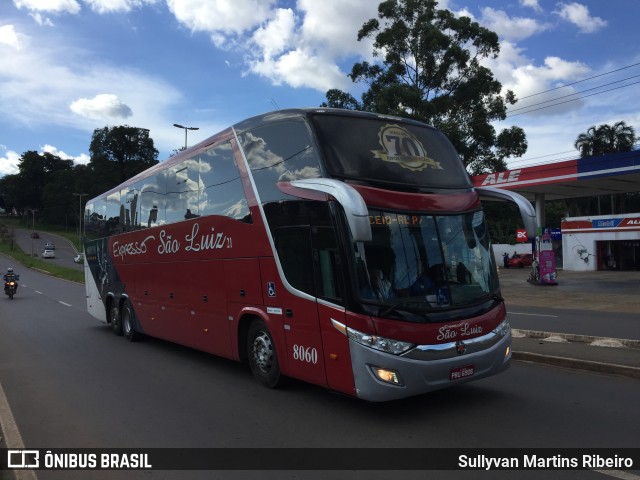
271 289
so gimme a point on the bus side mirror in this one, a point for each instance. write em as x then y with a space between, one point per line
527 211
351 201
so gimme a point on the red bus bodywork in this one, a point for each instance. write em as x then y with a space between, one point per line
205 281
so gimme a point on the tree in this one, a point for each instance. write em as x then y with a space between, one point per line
24 189
606 139
596 141
130 148
429 70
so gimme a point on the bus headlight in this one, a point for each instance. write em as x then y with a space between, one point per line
502 329
387 345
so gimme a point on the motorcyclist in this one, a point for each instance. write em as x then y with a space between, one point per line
10 276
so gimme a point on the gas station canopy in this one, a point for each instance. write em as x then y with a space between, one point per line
583 177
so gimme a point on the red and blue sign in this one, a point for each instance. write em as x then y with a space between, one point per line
577 170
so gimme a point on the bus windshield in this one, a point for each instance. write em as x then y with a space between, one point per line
425 262
389 153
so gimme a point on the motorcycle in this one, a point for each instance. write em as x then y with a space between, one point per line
10 288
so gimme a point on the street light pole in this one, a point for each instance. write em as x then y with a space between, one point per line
80 195
33 227
177 125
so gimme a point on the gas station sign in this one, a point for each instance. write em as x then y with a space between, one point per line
521 235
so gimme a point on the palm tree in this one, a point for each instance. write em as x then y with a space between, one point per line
599 141
606 139
619 138
587 143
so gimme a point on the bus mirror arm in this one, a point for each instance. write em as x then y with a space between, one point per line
351 201
527 211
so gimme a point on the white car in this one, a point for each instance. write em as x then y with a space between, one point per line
48 254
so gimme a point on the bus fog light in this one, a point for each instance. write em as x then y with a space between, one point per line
388 376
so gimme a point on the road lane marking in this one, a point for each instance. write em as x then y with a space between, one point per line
533 314
12 439
38 291
65 304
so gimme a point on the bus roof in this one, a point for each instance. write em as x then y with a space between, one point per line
249 124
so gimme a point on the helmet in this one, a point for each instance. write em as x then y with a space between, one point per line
9 270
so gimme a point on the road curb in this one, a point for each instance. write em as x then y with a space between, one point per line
599 367
574 338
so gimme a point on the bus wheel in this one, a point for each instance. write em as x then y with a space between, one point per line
116 323
127 322
262 355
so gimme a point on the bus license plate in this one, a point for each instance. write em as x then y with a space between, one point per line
462 372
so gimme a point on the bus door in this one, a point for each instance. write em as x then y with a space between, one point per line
316 351
306 242
329 281
295 312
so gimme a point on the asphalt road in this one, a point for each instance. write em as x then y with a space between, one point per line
71 383
65 250
575 321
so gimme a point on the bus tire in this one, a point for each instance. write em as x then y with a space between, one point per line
114 315
262 355
128 328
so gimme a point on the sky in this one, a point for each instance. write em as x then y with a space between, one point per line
68 67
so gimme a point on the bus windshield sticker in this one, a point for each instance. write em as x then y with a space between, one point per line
404 148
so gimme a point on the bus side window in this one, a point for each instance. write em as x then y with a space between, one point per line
220 190
152 202
113 214
279 152
130 208
177 179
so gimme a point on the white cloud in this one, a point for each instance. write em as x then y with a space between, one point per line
8 162
73 7
81 159
277 34
516 28
110 6
227 16
9 36
531 4
300 50
301 69
529 81
40 20
54 6
578 14
317 38
336 33
102 106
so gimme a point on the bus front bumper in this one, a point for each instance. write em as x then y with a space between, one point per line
380 376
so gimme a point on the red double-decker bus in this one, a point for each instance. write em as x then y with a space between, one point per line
342 248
